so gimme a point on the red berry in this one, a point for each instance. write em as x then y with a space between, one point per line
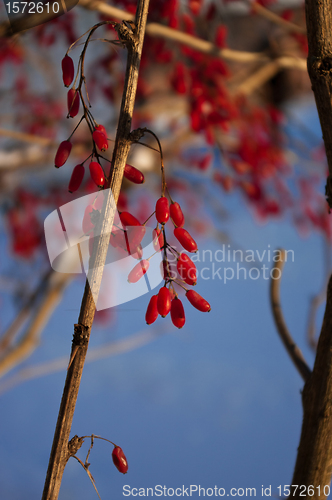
67 70
119 460
73 102
176 214
133 174
100 140
164 301
138 271
177 313
187 269
102 129
97 173
197 301
76 178
185 239
134 236
158 239
128 219
87 225
62 154
162 210
152 310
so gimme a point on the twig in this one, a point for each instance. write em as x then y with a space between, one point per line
89 474
59 453
272 16
159 30
30 340
267 72
291 347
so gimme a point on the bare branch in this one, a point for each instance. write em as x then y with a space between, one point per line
59 453
30 340
291 347
273 17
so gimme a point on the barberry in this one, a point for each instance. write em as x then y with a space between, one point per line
73 102
152 310
177 313
185 239
62 153
76 178
119 460
68 70
197 301
138 271
162 210
97 173
164 301
176 214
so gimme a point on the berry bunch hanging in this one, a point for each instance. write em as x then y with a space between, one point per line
128 235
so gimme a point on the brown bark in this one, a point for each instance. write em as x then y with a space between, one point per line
314 458
60 452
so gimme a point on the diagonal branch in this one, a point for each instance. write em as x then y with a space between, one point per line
291 347
59 453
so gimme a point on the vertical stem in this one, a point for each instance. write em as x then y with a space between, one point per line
60 453
314 458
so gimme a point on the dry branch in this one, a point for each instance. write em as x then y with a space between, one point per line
60 453
291 347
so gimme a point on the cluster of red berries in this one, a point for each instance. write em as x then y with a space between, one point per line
99 139
129 236
167 299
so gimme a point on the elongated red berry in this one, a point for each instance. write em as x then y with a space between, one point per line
97 173
67 70
185 239
117 239
119 460
62 154
76 178
197 301
87 225
102 129
162 210
177 313
128 219
158 239
176 214
187 269
164 301
152 310
73 102
100 140
138 271
133 174
134 236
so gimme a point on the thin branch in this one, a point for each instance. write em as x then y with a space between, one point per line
291 347
89 474
30 340
159 30
273 17
267 72
59 453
